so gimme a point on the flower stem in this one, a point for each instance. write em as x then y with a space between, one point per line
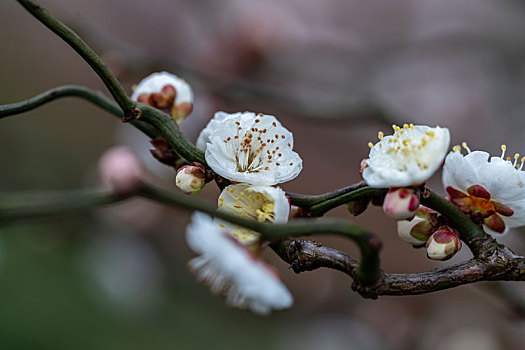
307 201
359 193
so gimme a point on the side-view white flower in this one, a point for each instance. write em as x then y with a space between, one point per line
250 148
261 203
408 157
491 191
229 269
167 92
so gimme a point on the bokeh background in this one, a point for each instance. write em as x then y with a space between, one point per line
334 72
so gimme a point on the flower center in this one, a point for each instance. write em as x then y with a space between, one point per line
255 149
480 207
405 146
266 213
249 203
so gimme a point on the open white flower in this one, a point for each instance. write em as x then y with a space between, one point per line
491 191
250 148
261 203
408 157
167 92
229 269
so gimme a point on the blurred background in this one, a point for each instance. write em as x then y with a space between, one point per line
334 72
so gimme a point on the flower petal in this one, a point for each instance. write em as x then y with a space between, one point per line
458 172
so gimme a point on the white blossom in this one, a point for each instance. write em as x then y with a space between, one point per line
261 203
495 187
408 157
177 100
250 148
231 270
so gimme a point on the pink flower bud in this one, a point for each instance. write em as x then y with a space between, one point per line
443 244
420 228
121 170
401 203
190 179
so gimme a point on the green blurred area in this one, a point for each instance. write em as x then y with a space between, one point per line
47 302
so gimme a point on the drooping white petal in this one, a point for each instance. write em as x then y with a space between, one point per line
408 157
154 83
250 148
231 270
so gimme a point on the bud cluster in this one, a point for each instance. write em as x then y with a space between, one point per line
428 229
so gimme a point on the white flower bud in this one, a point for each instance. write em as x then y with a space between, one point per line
401 203
190 179
443 244
166 92
121 170
419 229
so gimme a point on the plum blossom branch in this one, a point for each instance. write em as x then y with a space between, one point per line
131 110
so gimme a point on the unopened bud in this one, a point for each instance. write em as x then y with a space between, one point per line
166 92
443 244
401 203
121 170
358 206
362 166
190 179
420 228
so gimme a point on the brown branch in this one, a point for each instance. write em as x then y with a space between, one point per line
501 265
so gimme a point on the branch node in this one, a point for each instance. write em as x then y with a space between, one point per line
131 114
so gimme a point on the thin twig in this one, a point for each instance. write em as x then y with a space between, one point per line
95 97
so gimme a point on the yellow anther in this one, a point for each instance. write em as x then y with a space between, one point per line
516 156
465 146
456 148
411 126
380 135
405 126
370 144
503 150
430 133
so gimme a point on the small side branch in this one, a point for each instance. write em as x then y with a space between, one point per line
83 92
